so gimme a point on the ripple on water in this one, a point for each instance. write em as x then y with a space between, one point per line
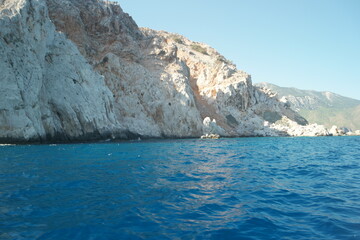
250 188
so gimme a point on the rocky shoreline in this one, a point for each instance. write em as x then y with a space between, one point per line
82 70
203 137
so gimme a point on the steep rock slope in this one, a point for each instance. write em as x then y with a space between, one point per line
48 90
163 83
90 72
320 107
149 83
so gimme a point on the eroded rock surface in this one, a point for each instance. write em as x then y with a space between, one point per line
91 71
48 91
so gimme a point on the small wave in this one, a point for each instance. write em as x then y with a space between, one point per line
252 188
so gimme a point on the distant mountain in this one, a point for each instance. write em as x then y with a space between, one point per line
324 108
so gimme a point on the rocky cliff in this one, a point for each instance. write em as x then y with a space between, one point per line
82 70
325 108
48 90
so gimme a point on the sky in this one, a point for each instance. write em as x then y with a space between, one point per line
307 44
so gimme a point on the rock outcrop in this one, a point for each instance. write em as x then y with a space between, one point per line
150 84
48 91
335 131
324 108
294 129
82 69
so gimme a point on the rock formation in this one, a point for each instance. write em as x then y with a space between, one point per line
324 108
48 90
335 131
82 70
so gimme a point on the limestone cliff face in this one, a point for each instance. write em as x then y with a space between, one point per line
45 81
150 85
90 71
223 92
163 83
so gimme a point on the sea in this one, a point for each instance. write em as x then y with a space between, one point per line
239 188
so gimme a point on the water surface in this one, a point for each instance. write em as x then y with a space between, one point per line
247 188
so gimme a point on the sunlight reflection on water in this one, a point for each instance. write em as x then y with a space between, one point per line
251 188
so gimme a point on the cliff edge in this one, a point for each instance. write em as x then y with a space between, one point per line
83 70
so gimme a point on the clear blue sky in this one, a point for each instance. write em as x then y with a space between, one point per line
307 44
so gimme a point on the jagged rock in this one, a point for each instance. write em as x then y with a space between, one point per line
335 131
151 87
345 130
90 72
292 128
210 127
185 81
48 91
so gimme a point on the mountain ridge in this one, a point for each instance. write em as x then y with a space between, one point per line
322 107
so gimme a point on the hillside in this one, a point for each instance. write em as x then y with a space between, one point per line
324 108
81 70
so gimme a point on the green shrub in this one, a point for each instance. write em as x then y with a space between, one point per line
178 40
222 59
199 49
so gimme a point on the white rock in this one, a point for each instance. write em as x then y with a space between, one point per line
47 90
291 128
211 128
98 75
335 131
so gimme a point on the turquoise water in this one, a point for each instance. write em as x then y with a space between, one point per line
248 188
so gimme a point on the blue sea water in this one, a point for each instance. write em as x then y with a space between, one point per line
246 188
